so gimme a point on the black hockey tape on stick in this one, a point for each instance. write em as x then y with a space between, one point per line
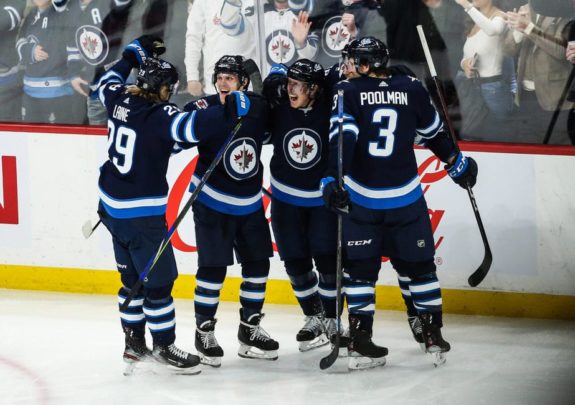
328 361
479 274
255 76
166 241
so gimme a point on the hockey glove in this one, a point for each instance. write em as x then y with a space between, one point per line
335 198
275 85
463 171
143 47
237 105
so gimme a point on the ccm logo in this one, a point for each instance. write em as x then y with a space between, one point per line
359 242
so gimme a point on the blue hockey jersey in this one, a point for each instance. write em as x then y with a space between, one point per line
235 185
383 119
142 135
301 146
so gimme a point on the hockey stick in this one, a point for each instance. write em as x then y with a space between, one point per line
328 361
88 229
557 111
479 274
166 241
255 76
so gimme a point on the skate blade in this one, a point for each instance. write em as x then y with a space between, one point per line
439 358
210 361
308 345
250 352
184 371
134 363
359 362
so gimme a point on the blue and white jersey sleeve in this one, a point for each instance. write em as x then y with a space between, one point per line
117 75
350 128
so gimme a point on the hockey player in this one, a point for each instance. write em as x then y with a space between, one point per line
348 70
229 217
384 115
143 131
304 229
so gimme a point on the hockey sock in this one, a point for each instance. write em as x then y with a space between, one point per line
133 317
209 282
160 315
304 283
360 296
426 294
404 282
253 287
326 266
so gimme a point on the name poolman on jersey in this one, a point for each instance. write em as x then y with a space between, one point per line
383 97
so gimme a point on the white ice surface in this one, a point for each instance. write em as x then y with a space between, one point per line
67 349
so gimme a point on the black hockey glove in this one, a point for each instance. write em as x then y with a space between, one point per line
143 47
463 171
335 198
275 89
237 105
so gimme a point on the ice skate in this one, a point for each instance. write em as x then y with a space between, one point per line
417 330
434 343
255 342
362 352
209 351
313 334
176 359
135 351
331 330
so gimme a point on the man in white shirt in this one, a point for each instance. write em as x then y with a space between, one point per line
216 28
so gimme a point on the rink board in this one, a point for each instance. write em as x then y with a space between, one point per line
525 196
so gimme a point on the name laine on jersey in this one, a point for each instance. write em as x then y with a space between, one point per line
121 113
383 97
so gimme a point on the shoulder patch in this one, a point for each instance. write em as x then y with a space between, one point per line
201 104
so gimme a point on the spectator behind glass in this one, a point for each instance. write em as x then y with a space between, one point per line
11 13
484 61
570 56
338 22
287 37
90 37
402 19
542 72
216 28
46 49
449 18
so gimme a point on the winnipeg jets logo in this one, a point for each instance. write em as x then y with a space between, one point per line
334 37
92 44
302 148
280 47
241 159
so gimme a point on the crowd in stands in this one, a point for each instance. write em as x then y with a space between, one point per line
506 65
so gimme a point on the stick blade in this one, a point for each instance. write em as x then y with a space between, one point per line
87 229
477 277
328 360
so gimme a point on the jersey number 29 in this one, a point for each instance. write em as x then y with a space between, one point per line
122 141
384 147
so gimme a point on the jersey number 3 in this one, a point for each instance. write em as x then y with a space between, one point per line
383 147
121 147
